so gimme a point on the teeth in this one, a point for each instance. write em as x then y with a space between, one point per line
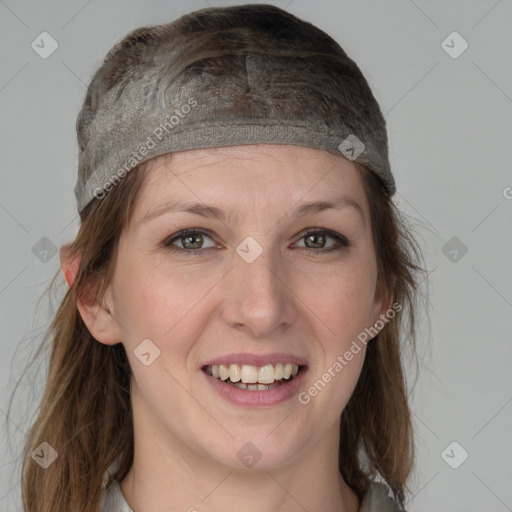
249 374
235 373
224 372
266 374
258 378
278 375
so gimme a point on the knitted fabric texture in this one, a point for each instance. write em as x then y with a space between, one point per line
212 79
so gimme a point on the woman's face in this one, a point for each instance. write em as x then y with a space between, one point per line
261 278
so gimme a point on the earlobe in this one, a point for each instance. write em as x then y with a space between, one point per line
100 322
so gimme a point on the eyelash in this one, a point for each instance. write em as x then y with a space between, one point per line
343 242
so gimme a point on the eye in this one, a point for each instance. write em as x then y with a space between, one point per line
192 241
317 238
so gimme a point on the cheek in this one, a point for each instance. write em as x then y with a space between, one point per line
143 294
343 300
351 297
160 302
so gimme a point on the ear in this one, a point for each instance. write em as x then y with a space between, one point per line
69 264
381 308
97 316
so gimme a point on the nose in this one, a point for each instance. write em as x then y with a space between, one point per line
259 297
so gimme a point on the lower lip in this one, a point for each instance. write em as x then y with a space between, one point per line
256 398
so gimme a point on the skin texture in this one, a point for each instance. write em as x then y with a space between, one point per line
196 307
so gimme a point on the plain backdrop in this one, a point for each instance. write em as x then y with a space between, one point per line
448 109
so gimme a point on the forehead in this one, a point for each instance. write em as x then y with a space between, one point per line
259 174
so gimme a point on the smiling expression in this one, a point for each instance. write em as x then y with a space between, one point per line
250 305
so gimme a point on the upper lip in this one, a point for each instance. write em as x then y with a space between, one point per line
257 359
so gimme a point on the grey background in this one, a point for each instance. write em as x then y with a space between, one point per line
450 127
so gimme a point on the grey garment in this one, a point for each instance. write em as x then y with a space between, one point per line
375 500
113 499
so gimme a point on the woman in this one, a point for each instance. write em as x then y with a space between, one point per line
237 288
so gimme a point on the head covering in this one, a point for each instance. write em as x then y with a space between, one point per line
251 74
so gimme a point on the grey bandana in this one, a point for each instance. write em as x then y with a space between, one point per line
159 109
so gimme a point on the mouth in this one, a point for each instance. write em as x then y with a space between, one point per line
255 378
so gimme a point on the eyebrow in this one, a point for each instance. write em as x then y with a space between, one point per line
204 210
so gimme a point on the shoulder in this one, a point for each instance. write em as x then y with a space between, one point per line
113 499
377 499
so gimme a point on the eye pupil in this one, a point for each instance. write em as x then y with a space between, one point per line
316 237
191 237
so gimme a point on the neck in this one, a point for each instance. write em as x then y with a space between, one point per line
166 471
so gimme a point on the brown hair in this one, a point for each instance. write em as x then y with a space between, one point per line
85 413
